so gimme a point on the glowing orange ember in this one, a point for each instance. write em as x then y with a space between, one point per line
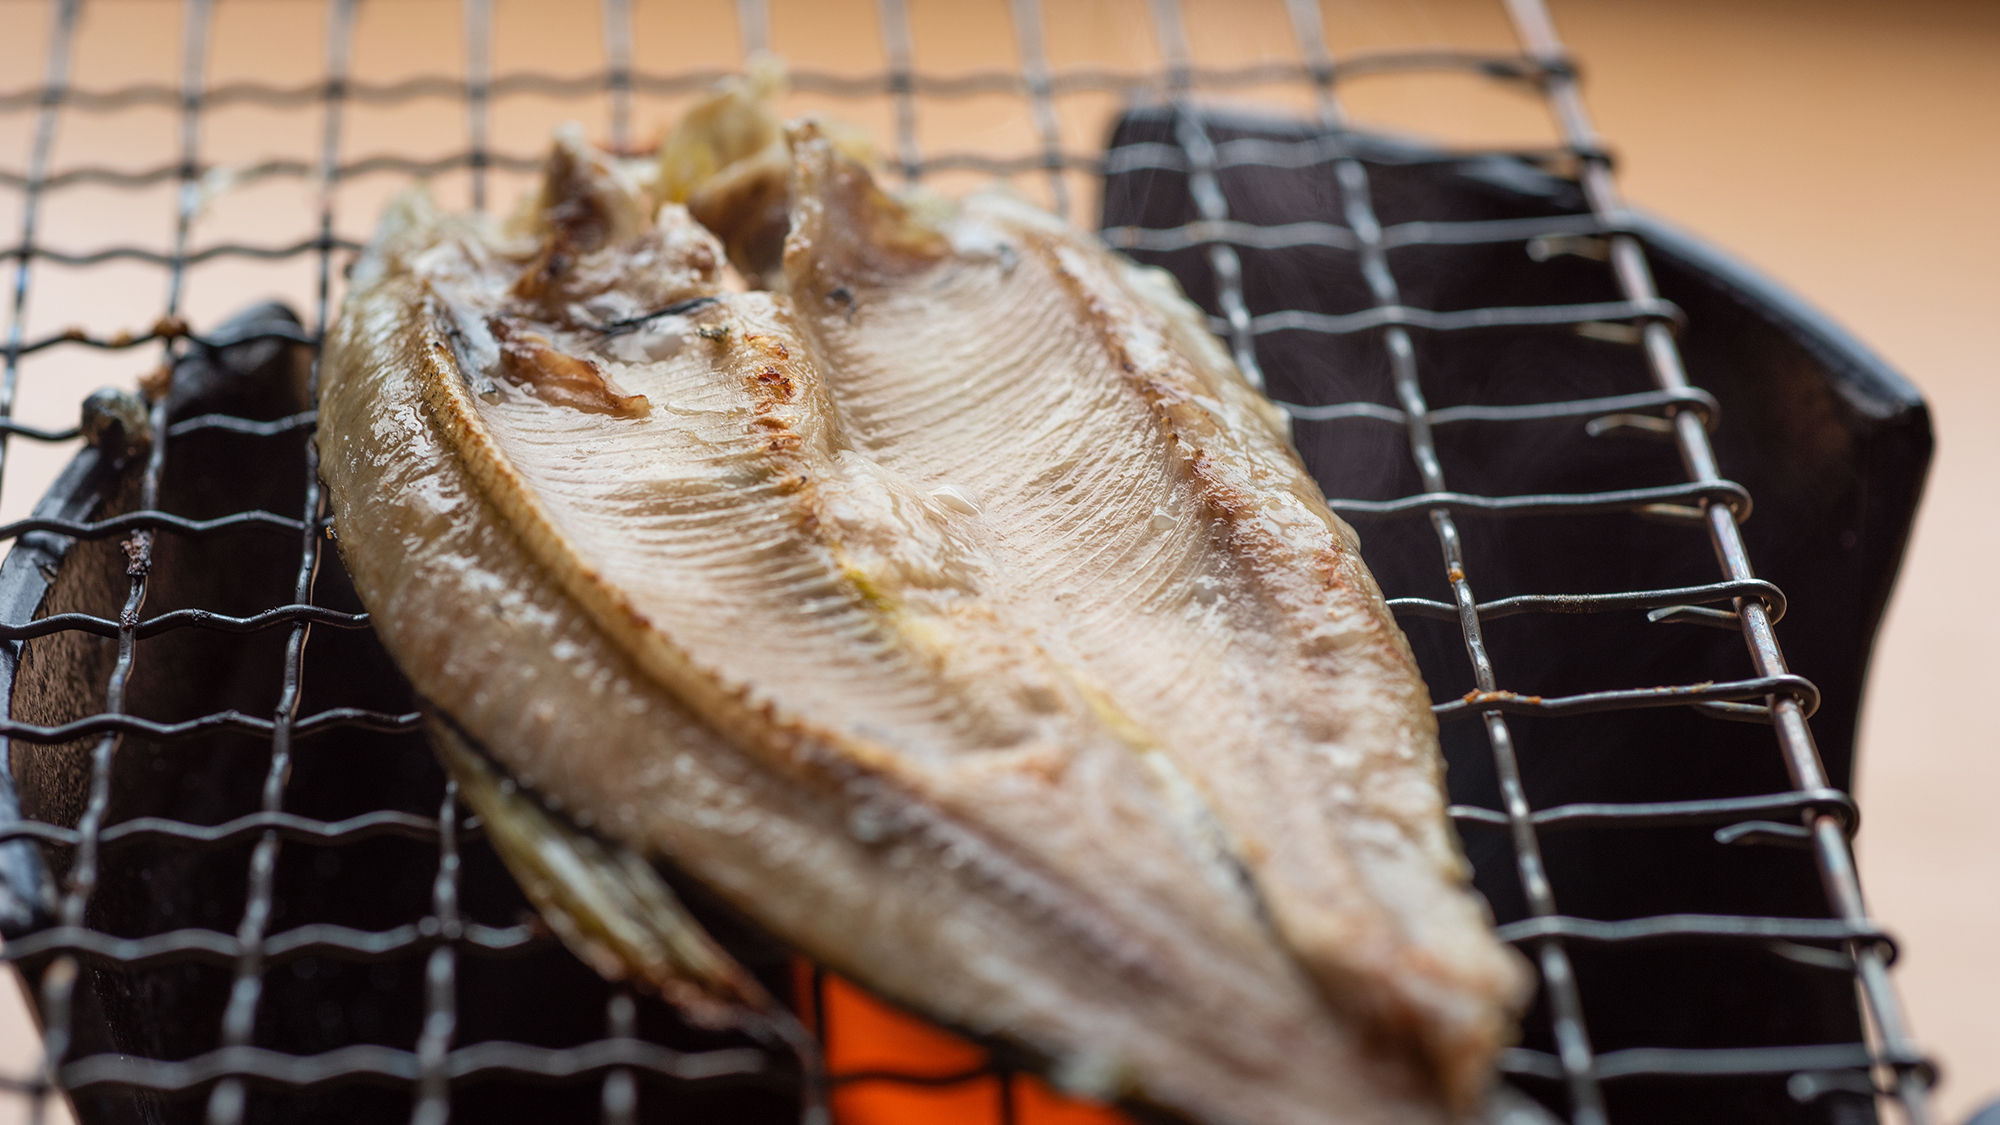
865 1037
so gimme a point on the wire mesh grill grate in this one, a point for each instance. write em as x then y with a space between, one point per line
1812 809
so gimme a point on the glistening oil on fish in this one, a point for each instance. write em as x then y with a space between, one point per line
947 604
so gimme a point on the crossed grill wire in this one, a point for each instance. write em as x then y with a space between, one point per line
1812 808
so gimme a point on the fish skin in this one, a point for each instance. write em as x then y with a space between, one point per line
999 848
1292 679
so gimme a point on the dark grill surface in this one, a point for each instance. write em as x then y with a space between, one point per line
240 888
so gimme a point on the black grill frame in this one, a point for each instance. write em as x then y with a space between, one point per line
1814 809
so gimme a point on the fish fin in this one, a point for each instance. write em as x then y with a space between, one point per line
730 161
607 904
840 213
734 123
587 199
614 911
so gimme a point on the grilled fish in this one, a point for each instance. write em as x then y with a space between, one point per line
954 610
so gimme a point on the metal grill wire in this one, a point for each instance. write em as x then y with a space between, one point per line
1709 501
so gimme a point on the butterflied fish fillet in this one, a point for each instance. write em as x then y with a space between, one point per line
999 656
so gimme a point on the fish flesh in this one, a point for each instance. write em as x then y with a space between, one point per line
957 613
951 607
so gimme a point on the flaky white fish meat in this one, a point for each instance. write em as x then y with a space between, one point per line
954 610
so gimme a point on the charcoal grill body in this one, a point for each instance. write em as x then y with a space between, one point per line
1832 444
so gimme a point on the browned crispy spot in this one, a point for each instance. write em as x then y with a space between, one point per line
748 207
576 220
573 204
543 270
561 380
773 386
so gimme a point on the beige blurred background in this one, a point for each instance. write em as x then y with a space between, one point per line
1850 149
